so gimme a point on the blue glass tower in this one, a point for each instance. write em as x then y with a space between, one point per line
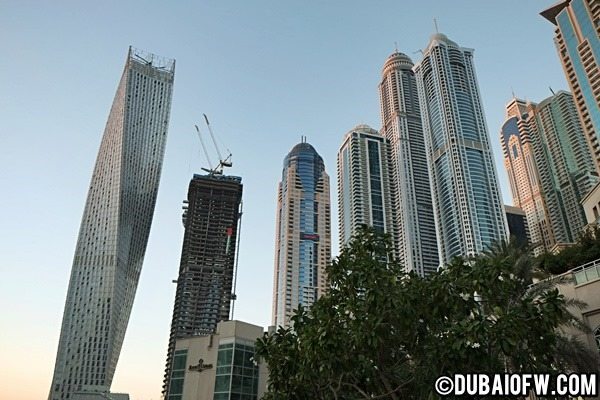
303 233
578 43
469 215
566 169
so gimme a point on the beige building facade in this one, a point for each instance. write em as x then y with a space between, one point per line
523 174
220 366
591 205
303 233
585 287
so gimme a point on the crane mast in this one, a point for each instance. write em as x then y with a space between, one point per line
223 162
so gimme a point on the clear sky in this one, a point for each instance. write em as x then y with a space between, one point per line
265 72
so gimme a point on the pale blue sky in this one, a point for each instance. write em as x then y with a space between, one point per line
265 72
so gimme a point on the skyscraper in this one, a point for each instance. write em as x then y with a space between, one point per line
364 192
549 167
303 233
578 42
517 136
565 165
114 228
206 272
466 198
416 240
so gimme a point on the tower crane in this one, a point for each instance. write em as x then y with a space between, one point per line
223 162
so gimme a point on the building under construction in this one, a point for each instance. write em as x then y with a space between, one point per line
205 285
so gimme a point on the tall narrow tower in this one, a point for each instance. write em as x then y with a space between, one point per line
468 210
518 137
114 228
206 272
577 39
550 168
303 233
416 241
566 168
364 191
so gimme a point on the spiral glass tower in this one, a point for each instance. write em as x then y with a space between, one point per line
115 228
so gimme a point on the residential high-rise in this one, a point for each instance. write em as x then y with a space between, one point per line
206 271
565 165
114 228
364 192
549 167
517 136
416 240
303 233
466 197
578 42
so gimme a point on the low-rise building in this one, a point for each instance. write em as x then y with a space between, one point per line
591 205
219 366
585 287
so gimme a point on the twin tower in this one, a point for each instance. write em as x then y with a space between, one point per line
428 178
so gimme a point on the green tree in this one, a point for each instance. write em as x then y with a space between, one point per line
586 249
380 333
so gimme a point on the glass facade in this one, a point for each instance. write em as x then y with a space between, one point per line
177 375
401 117
568 173
578 43
303 242
345 195
582 20
376 186
466 197
364 180
517 226
115 227
236 373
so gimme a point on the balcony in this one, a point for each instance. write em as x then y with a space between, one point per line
587 272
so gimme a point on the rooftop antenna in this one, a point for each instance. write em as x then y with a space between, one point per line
513 92
552 91
436 25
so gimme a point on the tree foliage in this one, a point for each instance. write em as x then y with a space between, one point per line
586 249
381 333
